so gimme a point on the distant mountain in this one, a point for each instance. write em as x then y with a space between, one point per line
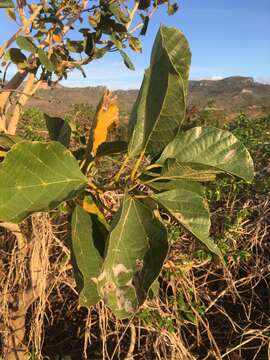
231 94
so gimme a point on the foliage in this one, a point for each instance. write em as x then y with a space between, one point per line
160 174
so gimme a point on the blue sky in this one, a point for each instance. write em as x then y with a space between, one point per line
227 37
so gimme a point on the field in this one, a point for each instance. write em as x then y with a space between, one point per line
203 309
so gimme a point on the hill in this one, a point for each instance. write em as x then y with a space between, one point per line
231 94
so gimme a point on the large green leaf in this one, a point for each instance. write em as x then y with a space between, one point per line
86 257
161 104
175 42
58 129
136 250
210 147
185 201
37 176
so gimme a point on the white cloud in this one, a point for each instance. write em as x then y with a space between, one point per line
112 74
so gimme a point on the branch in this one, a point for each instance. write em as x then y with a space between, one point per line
21 30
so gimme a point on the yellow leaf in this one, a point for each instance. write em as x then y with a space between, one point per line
57 38
107 114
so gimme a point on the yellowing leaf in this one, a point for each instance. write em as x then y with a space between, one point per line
107 115
90 207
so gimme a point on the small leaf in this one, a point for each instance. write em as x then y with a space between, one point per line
16 56
127 275
11 14
44 60
127 60
89 45
145 25
86 258
116 10
135 44
37 176
110 148
25 44
212 148
6 4
7 141
59 129
75 46
172 8
107 114
186 203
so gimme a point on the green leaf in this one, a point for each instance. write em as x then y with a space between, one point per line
37 176
116 10
11 14
75 46
89 45
86 258
59 129
109 148
25 44
7 141
127 60
16 56
145 25
190 186
6 4
161 105
212 148
44 60
172 169
127 275
177 48
188 206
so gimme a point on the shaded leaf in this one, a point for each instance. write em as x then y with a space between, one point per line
75 46
59 129
44 60
145 25
37 176
16 56
7 141
213 148
86 258
190 186
127 275
127 60
110 148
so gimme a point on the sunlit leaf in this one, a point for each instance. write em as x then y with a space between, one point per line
37 176
136 250
107 114
212 148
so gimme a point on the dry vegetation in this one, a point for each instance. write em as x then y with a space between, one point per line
203 310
